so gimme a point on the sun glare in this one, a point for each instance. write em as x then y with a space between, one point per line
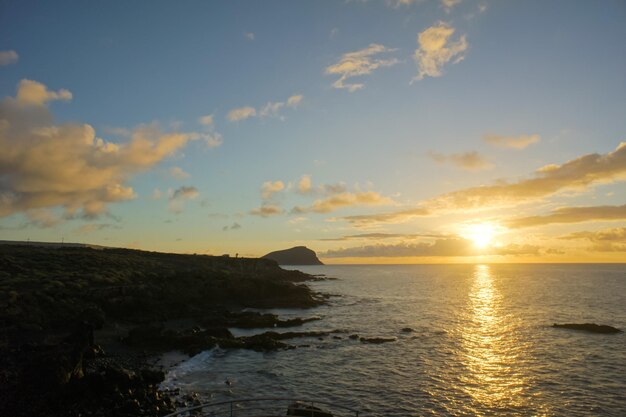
481 234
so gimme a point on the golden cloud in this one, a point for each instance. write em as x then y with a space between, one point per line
436 49
359 63
571 215
44 164
345 199
606 240
578 175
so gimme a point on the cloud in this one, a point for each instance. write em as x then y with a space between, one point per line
249 36
178 173
381 236
398 3
606 240
393 217
519 142
33 93
575 175
269 188
305 187
345 199
44 164
267 210
212 139
448 5
470 161
157 194
179 196
8 57
359 63
270 109
436 49
571 215
294 100
42 218
439 247
233 226
241 113
206 120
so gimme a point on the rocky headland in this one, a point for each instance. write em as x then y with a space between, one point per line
298 255
81 327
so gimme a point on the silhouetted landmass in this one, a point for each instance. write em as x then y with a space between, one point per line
77 325
299 255
588 327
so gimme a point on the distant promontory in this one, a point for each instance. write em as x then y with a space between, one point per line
299 255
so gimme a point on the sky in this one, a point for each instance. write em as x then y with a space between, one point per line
380 131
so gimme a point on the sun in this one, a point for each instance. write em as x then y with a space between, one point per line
481 234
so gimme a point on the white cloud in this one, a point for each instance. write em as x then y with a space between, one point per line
345 199
359 63
249 36
8 57
270 109
436 49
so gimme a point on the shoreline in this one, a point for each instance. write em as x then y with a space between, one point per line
84 331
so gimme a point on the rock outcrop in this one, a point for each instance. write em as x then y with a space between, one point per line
299 255
588 327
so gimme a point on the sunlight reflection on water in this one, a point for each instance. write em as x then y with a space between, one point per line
491 352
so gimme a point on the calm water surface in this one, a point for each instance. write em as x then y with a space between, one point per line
482 344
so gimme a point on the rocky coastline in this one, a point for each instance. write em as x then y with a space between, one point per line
81 328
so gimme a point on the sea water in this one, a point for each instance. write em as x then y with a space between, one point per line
481 344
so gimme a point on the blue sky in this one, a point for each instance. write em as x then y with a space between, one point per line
506 88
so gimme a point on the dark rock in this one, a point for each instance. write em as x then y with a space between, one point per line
354 336
377 340
407 330
588 327
299 255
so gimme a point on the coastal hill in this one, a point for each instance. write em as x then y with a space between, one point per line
299 255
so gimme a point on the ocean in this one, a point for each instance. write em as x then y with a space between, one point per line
482 343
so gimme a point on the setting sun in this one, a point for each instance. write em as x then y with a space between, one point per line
481 234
